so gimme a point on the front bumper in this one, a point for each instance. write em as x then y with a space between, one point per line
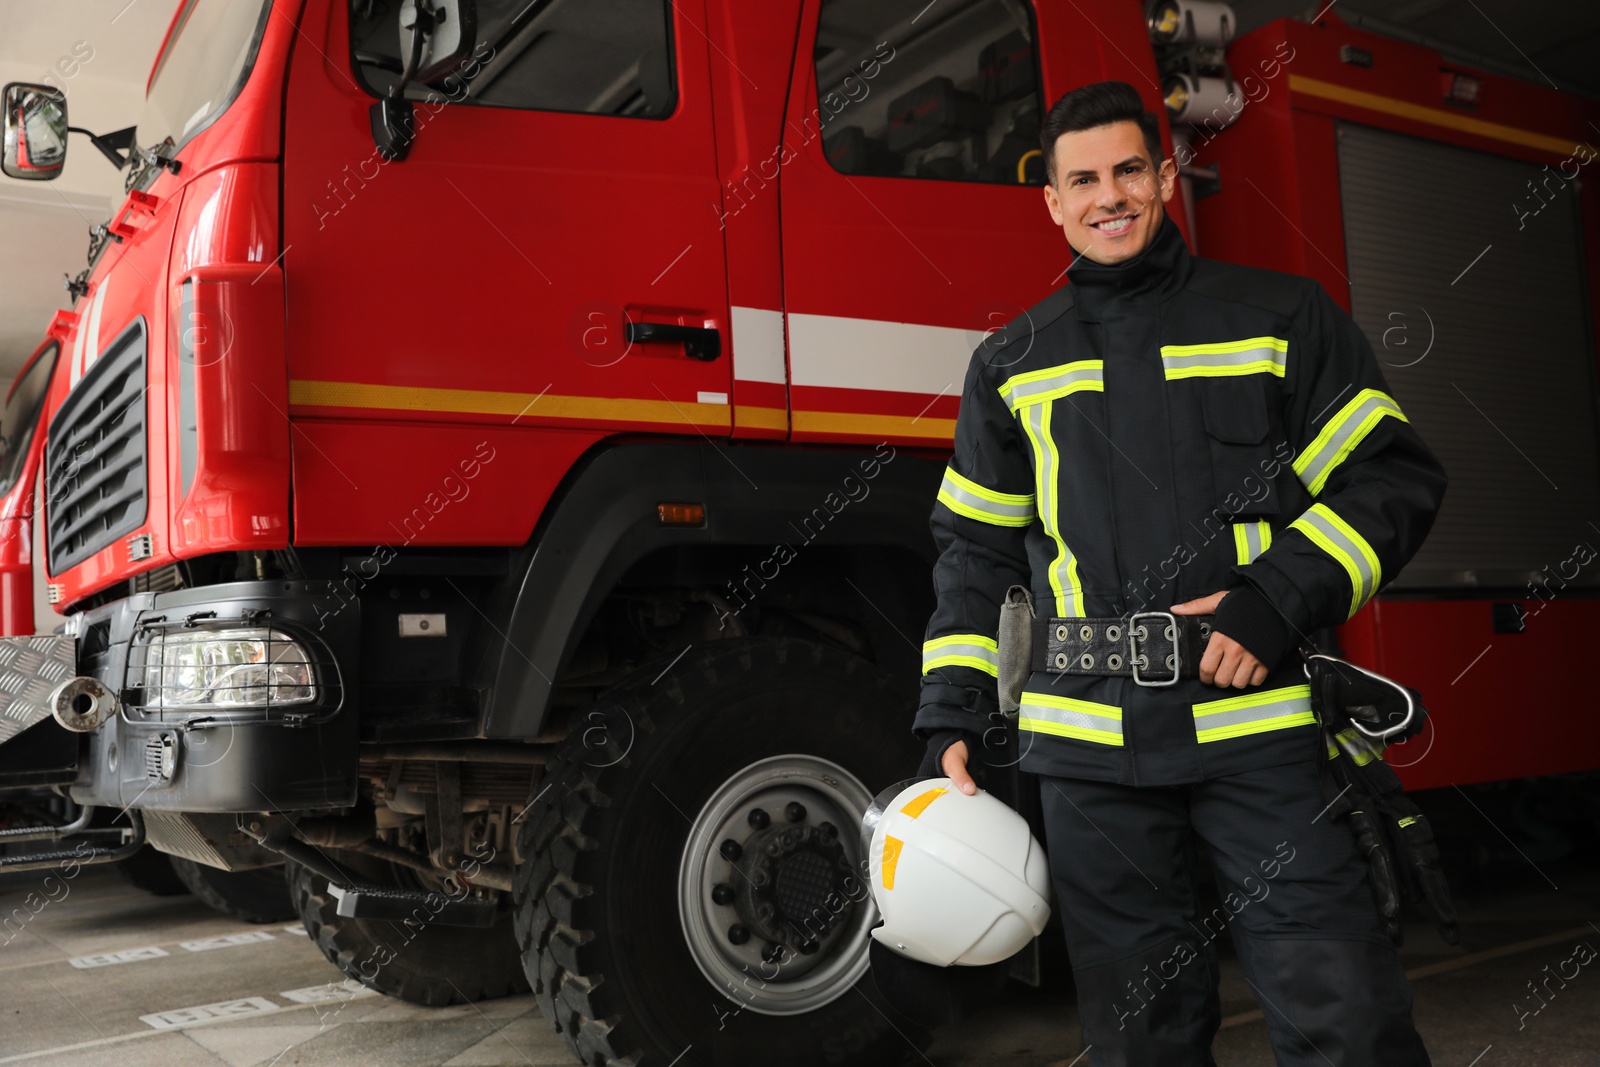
235 759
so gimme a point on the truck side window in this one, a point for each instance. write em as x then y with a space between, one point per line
916 90
19 419
613 58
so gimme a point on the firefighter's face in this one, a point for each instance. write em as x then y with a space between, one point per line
1108 193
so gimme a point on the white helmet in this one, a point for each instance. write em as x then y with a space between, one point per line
958 879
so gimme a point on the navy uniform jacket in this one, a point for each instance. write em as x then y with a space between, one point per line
1154 432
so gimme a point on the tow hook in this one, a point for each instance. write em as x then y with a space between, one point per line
82 704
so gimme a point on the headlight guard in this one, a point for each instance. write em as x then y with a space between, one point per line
225 668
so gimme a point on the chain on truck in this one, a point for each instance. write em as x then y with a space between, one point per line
544 591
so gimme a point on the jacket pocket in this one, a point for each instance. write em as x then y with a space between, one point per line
1238 421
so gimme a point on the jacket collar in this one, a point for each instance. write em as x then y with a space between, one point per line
1160 270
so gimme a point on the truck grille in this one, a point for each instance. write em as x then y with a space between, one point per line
95 476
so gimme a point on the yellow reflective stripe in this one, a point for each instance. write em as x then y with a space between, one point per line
1348 427
1052 383
1250 539
919 803
966 497
1357 746
1349 549
962 650
1064 582
1253 713
1084 720
1252 355
891 859
1260 726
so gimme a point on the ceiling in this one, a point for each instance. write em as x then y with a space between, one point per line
107 46
1552 42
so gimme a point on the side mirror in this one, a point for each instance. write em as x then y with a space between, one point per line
435 36
35 131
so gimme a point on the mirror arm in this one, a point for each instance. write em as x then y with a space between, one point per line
393 118
111 145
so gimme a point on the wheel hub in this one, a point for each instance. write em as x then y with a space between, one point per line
774 900
793 889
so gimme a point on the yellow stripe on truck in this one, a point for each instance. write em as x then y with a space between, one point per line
306 393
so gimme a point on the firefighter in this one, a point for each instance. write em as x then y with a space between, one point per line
1191 466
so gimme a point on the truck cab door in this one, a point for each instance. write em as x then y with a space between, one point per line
547 255
913 217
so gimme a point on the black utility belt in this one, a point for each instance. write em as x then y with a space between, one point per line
1152 647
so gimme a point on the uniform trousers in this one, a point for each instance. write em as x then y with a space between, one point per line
1295 899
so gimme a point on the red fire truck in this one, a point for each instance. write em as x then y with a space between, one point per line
548 589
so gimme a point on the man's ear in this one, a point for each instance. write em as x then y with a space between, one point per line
1053 202
1168 175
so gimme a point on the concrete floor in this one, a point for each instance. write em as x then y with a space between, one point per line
106 973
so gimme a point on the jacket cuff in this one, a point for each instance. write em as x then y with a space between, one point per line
951 707
1250 619
941 740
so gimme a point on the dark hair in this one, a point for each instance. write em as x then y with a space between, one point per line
1092 106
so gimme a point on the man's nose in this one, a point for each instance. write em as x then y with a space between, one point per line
1111 198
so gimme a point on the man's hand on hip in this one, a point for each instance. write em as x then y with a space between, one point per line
1226 662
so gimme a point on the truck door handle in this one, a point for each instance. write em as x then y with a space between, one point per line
699 342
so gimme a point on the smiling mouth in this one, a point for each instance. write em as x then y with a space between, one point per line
1117 224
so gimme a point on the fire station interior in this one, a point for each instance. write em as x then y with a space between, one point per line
300 770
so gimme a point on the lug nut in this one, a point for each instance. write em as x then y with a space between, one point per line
758 818
722 894
808 947
794 811
730 850
738 933
829 830
772 953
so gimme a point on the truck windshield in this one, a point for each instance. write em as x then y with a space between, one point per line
21 415
207 59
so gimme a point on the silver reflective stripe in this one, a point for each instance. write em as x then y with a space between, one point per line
1038 386
966 497
1341 435
1349 549
1256 713
1064 584
1253 355
1083 720
1251 539
961 650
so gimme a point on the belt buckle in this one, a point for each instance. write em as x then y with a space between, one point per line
1134 655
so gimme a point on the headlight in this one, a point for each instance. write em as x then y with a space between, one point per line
246 667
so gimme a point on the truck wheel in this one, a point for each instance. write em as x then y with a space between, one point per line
420 962
251 896
692 882
152 871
